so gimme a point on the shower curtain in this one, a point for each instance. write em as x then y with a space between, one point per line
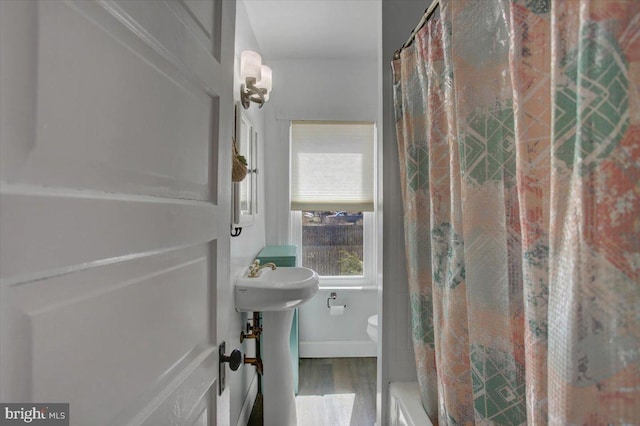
518 128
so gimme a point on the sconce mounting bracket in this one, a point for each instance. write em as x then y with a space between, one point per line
250 93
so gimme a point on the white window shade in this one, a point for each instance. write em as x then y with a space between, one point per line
332 166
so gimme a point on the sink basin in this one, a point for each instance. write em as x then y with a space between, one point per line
276 290
276 293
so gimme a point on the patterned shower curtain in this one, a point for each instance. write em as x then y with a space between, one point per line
518 127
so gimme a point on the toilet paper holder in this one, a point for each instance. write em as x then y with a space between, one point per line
333 296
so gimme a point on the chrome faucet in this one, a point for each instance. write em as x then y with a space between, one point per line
255 268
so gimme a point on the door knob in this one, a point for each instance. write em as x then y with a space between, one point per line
234 360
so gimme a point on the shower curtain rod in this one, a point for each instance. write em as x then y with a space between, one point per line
425 17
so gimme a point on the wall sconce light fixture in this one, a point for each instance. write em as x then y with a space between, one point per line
257 79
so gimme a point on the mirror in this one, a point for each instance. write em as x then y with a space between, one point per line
245 193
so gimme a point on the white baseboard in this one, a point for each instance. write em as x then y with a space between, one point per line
337 349
247 405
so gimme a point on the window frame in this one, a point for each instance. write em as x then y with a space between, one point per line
367 279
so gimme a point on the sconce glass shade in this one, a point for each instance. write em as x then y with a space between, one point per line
250 65
266 81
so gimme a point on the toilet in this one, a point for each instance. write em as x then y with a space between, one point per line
372 327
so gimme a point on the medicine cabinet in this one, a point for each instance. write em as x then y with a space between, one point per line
245 193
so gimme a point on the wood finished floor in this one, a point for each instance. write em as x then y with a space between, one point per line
334 392
337 392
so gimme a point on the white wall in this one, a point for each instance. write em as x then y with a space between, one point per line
399 17
252 239
325 89
326 336
336 89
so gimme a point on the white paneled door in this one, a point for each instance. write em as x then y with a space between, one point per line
115 136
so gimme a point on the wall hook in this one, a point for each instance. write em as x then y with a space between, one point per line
235 232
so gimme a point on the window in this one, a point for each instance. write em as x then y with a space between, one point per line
332 199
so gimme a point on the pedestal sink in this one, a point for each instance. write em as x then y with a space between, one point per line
276 293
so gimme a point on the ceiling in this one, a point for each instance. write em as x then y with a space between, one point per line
315 29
